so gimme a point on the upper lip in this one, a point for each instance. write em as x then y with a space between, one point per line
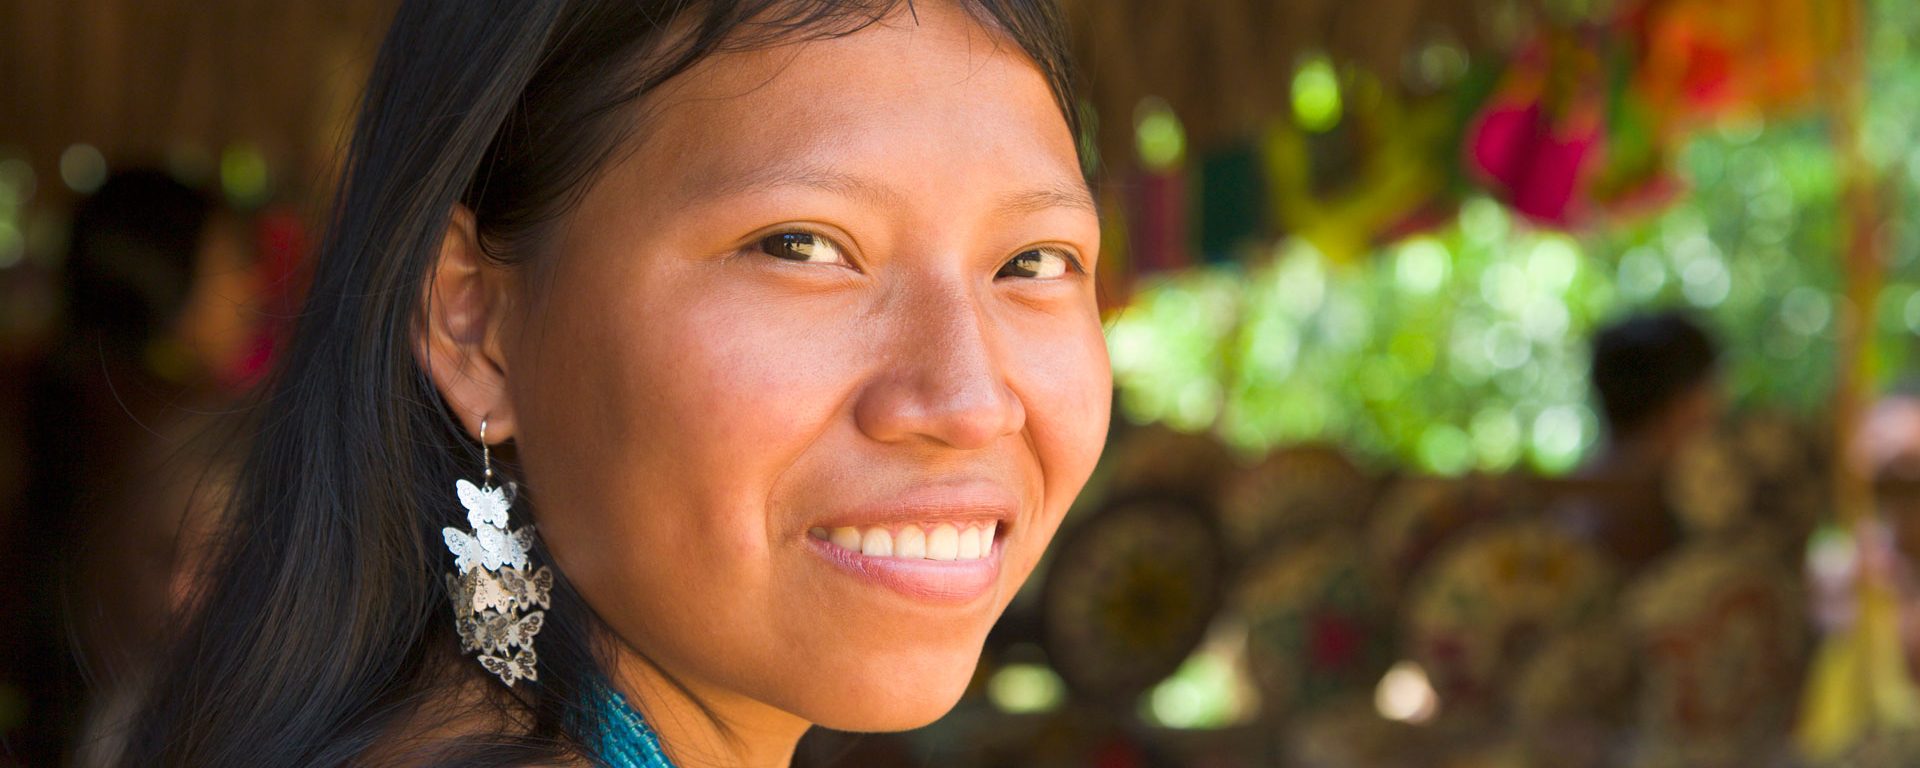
962 502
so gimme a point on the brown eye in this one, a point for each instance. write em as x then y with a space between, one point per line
1039 263
801 246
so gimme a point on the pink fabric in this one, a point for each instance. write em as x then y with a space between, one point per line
1535 167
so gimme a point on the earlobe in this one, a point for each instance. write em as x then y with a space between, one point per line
457 340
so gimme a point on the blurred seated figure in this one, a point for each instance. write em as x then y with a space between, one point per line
1887 447
124 463
1888 450
1657 380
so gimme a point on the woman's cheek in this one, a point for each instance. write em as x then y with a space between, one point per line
754 384
1068 396
1074 394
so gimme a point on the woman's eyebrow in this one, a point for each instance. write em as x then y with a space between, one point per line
1060 194
730 182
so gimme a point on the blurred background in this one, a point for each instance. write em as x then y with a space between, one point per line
1499 382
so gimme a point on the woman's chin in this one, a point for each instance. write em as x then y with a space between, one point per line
894 703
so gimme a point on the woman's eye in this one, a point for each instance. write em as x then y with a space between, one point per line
1039 263
802 246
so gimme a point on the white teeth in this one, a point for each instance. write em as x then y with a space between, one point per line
911 543
943 543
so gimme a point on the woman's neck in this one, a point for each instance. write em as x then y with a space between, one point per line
701 726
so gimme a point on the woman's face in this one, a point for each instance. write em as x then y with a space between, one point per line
816 368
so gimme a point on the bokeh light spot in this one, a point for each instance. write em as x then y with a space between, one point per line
1025 689
83 168
243 175
1406 695
1421 265
1559 435
1316 95
1806 311
1158 135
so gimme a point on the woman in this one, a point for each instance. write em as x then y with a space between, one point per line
779 316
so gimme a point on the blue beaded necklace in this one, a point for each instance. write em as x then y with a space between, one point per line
625 739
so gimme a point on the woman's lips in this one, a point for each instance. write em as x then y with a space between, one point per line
943 562
936 542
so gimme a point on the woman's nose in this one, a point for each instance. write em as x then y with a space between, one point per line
945 380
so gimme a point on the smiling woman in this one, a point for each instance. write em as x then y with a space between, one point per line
780 318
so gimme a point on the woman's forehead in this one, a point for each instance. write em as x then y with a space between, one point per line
932 88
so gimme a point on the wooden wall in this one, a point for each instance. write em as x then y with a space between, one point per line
141 78
138 78
1225 66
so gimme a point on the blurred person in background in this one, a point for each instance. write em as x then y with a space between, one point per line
1887 448
1656 377
125 470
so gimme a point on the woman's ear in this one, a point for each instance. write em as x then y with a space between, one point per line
468 300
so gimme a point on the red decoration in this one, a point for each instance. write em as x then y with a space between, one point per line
1538 166
1709 58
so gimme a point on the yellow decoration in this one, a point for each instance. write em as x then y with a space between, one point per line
1397 175
1859 684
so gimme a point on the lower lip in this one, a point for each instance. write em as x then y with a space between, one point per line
932 581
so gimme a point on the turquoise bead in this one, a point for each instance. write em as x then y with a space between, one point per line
625 739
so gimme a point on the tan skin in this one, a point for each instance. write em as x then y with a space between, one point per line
689 398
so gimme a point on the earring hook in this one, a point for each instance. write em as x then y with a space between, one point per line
486 456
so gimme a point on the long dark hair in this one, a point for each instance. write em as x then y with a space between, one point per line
326 628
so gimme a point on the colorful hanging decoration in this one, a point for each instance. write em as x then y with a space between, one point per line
1713 58
1567 137
1860 693
1158 193
1231 203
1347 188
1536 163
1579 124
1157 208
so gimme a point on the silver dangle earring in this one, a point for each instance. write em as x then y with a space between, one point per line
493 590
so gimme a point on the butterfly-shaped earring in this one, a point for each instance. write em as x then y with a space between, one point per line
491 588
511 668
